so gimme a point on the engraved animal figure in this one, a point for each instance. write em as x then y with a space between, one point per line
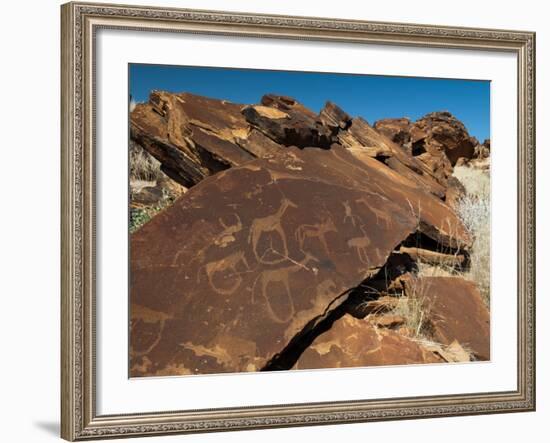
317 230
141 314
270 223
227 235
378 213
349 214
280 275
229 263
360 244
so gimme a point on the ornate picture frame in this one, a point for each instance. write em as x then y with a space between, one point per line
80 23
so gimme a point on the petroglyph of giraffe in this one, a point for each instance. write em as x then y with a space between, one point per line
270 223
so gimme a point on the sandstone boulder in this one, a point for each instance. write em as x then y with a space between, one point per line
227 276
194 136
288 122
455 312
334 117
361 138
433 257
397 130
441 134
355 342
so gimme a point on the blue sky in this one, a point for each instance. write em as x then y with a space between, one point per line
370 96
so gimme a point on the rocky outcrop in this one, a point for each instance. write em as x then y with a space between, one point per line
288 128
192 136
441 135
264 250
398 130
294 226
334 117
362 139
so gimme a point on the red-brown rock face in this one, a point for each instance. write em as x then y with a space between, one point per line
354 342
455 311
193 136
397 130
440 133
288 215
260 250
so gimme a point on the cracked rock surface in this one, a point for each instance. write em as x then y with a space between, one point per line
292 220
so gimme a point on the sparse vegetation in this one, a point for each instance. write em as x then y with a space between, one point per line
143 166
475 211
140 216
145 173
476 181
415 312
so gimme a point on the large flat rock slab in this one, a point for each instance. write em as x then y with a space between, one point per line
227 276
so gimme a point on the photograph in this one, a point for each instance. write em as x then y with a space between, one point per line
289 217
291 220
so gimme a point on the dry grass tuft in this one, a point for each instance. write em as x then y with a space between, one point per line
414 312
427 270
475 211
476 181
143 166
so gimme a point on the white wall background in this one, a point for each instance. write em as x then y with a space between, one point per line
29 218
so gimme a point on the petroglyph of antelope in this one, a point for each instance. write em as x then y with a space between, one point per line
316 230
360 244
378 213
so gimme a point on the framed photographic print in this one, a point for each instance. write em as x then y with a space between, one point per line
282 221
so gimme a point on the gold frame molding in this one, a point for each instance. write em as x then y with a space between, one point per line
79 22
